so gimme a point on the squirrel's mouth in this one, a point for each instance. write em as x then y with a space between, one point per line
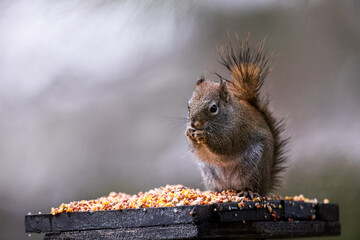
196 135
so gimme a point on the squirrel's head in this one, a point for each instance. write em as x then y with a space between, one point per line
208 108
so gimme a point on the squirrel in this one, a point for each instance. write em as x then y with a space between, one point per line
231 129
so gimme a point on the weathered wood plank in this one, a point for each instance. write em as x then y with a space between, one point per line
268 230
252 211
76 221
180 231
327 212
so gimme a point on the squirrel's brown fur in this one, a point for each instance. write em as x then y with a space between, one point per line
239 146
249 68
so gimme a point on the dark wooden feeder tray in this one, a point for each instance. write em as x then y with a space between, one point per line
285 219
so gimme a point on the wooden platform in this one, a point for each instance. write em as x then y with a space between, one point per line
270 219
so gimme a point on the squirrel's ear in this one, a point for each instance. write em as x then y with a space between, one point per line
224 93
200 80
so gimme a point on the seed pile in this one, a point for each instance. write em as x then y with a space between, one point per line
168 196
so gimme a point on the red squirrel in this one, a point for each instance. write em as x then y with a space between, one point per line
230 128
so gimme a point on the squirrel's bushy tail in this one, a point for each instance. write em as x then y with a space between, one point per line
249 67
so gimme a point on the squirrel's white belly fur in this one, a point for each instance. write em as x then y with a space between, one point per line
225 172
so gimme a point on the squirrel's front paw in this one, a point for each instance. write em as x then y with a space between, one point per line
198 136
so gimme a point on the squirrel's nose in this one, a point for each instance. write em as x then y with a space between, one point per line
196 124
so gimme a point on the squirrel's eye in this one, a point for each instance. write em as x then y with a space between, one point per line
213 109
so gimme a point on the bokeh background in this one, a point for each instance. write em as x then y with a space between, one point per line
93 96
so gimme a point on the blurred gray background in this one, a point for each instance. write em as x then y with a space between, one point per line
93 96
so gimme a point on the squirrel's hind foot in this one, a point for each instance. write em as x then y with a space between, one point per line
249 194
